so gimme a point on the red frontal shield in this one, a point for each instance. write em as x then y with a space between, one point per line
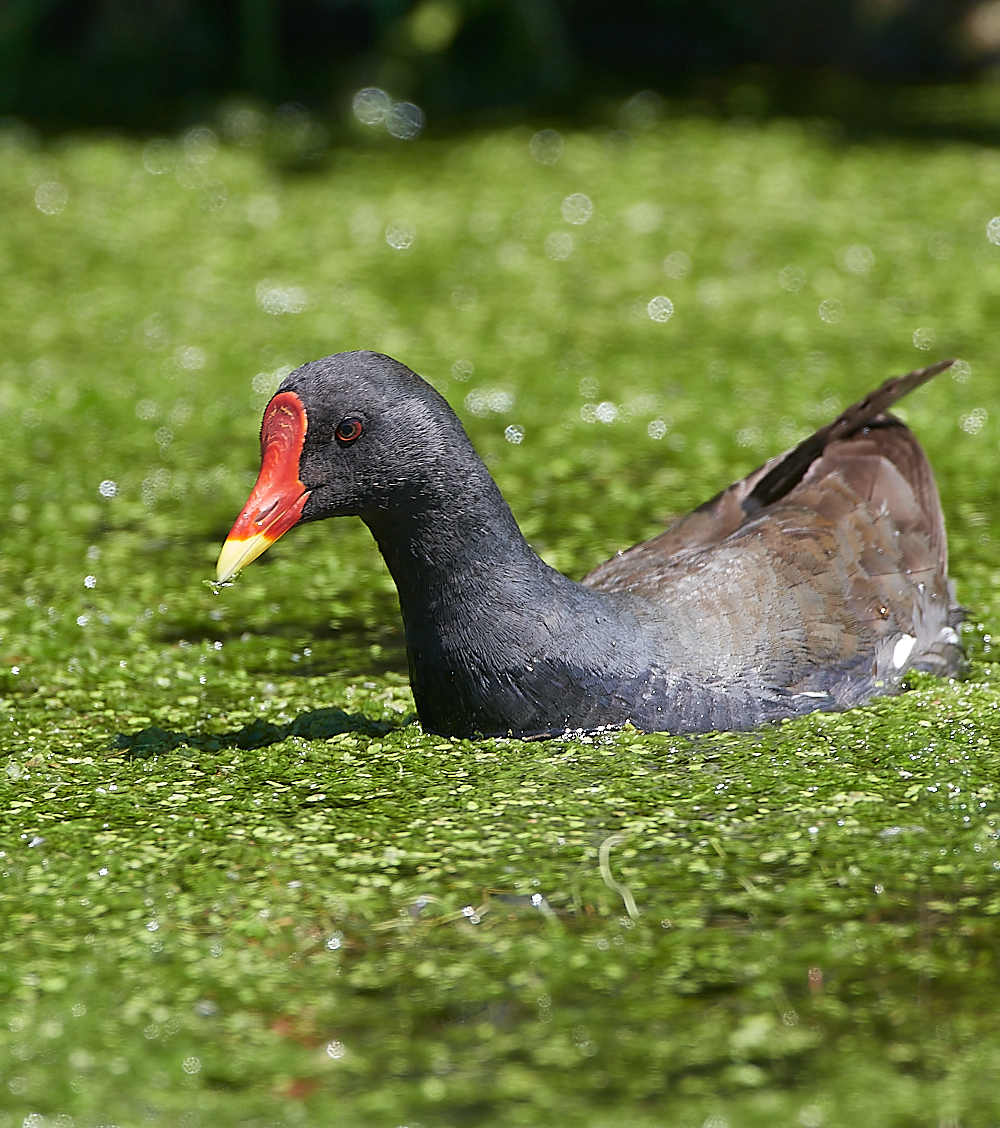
276 501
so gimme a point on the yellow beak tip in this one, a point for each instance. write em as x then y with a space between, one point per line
237 554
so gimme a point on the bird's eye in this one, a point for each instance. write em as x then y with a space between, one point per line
349 429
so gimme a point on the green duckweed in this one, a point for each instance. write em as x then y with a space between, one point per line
239 886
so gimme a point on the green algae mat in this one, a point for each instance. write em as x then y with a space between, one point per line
239 886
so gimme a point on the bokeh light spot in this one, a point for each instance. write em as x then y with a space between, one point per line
400 235
660 309
405 121
51 197
577 209
546 146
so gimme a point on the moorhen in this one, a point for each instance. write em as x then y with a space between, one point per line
813 584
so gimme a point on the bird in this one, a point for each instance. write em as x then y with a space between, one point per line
816 583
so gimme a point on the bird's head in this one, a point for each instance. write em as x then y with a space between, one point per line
348 435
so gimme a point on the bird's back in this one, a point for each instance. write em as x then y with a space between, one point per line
826 594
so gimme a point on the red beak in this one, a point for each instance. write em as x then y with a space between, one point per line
276 501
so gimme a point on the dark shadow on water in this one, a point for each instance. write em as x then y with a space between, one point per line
319 724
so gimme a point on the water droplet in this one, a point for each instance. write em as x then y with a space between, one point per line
82 620
371 106
462 369
859 259
677 265
831 310
484 401
405 121
559 245
275 299
749 437
191 1065
400 234
190 357
51 197
212 195
201 145
218 585
606 412
335 1050
245 127
159 156
924 337
657 428
577 209
514 434
107 488
993 230
791 278
155 334
960 371
335 941
546 147
588 387
973 422
660 309
90 581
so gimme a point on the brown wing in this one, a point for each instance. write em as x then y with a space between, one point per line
723 514
849 524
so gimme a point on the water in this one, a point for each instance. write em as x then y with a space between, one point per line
559 245
577 209
660 309
547 147
452 917
400 235
677 265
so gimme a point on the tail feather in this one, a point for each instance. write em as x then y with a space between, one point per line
789 471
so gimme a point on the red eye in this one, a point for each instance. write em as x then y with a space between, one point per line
349 429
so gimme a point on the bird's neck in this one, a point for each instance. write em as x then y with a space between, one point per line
455 554
481 611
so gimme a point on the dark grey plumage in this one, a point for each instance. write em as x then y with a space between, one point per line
815 583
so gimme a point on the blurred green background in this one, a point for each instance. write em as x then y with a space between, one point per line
238 885
167 63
